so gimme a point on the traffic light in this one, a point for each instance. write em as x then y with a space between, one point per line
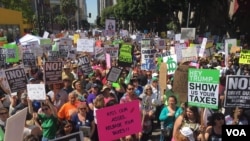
89 15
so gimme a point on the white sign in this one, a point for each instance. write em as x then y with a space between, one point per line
15 124
36 91
203 47
85 45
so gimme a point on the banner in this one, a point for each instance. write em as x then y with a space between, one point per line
125 57
203 88
53 72
237 91
17 79
119 120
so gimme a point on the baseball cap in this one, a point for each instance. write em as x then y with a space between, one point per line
187 132
154 74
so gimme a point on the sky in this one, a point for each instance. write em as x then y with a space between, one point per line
92 8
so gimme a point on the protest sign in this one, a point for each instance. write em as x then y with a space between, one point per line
4 82
63 51
178 51
12 53
15 124
29 60
203 47
110 25
118 121
171 62
125 57
99 53
114 74
112 50
188 33
145 43
85 45
36 91
16 79
77 136
147 59
84 64
163 77
244 57
53 55
2 60
237 91
203 88
180 83
72 53
189 54
53 72
161 44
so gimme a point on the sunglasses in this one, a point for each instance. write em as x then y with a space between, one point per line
4 113
45 109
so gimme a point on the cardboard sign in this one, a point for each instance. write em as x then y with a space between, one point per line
203 88
53 72
180 84
237 91
53 55
15 124
36 91
119 120
114 74
77 136
17 79
163 77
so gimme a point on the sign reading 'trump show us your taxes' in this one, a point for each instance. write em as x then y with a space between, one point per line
203 88
119 120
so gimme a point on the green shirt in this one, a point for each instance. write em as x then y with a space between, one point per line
49 125
1 134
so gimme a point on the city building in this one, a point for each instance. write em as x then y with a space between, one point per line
102 4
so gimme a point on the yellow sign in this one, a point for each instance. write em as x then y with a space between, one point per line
244 57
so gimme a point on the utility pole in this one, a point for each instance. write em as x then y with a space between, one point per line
37 4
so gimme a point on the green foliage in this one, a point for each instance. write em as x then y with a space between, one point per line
61 20
68 7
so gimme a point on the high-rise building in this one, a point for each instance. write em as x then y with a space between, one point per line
102 4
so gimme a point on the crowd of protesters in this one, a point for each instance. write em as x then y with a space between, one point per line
73 103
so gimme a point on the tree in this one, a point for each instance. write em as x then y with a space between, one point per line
68 9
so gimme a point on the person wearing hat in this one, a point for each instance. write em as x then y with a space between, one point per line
66 72
185 134
23 104
66 84
94 91
93 80
108 94
74 71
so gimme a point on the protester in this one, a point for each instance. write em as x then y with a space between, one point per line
236 117
58 95
66 127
